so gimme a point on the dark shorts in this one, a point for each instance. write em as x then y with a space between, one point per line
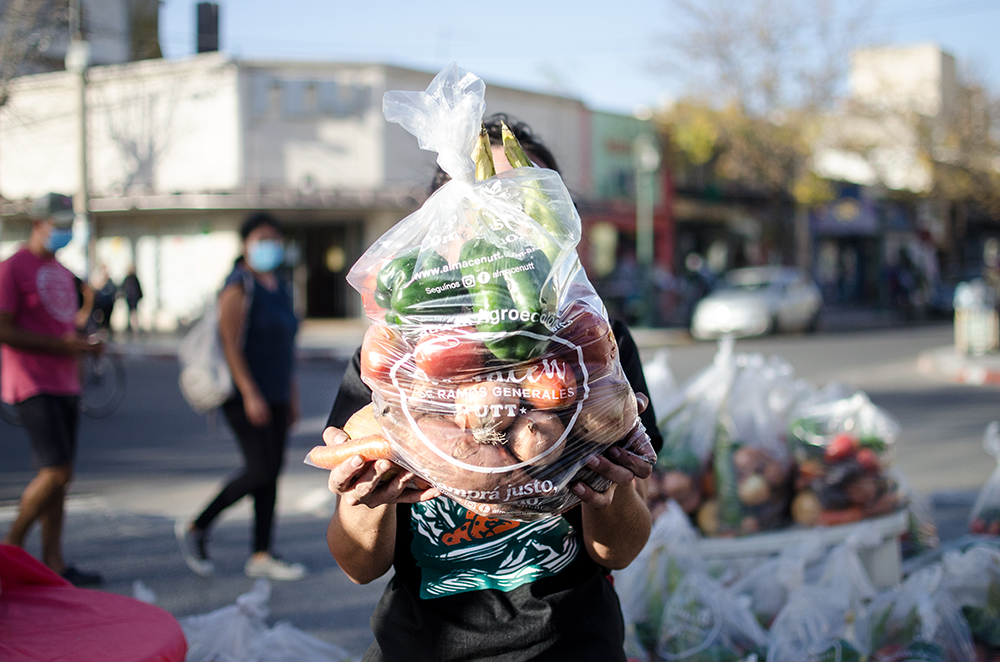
51 424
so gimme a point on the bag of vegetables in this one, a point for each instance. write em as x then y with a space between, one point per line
494 370
645 586
842 445
812 627
918 621
702 622
972 579
985 515
750 458
688 420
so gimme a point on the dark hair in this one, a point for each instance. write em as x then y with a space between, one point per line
534 147
256 220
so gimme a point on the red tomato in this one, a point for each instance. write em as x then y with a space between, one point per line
372 309
549 384
842 447
454 354
380 350
868 460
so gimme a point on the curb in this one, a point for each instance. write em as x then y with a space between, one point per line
960 368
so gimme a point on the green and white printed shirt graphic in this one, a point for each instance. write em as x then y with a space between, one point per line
458 550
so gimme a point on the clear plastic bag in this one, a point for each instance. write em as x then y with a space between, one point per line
238 633
812 627
921 533
688 421
917 621
494 370
770 583
843 572
972 579
751 461
645 586
227 634
843 446
985 515
702 622
662 388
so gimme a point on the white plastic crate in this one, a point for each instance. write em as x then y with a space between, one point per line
882 562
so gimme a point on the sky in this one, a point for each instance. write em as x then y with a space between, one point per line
609 54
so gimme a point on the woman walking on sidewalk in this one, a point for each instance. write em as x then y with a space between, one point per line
257 326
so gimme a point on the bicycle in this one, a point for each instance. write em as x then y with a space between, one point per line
102 387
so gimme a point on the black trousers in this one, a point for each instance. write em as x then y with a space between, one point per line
263 453
51 424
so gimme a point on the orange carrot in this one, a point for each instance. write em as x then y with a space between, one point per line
844 516
372 447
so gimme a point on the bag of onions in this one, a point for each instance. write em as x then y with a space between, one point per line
494 370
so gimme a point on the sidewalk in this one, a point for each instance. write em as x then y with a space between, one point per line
947 362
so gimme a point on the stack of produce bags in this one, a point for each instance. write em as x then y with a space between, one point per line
809 604
748 447
494 370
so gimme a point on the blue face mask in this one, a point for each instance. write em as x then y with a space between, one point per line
58 238
265 255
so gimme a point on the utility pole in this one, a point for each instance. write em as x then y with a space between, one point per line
646 155
77 61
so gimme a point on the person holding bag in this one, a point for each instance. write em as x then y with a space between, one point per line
257 328
469 587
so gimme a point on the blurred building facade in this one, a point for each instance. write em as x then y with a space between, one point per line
180 151
911 160
916 161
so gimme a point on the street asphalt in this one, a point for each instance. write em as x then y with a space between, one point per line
137 551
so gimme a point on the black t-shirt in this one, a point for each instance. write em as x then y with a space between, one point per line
269 342
544 597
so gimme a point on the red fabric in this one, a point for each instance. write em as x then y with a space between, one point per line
43 617
19 568
41 295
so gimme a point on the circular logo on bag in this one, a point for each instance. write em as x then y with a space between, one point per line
57 292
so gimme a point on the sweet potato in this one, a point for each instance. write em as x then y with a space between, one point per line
363 423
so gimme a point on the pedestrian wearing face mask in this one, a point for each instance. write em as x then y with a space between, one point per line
257 326
39 317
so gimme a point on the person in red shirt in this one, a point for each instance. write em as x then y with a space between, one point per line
39 372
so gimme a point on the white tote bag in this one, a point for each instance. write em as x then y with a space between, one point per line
204 380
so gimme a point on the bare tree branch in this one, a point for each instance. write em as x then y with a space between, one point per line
25 28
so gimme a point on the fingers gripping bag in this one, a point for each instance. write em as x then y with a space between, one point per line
494 370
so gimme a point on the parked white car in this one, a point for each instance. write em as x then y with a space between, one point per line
757 301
